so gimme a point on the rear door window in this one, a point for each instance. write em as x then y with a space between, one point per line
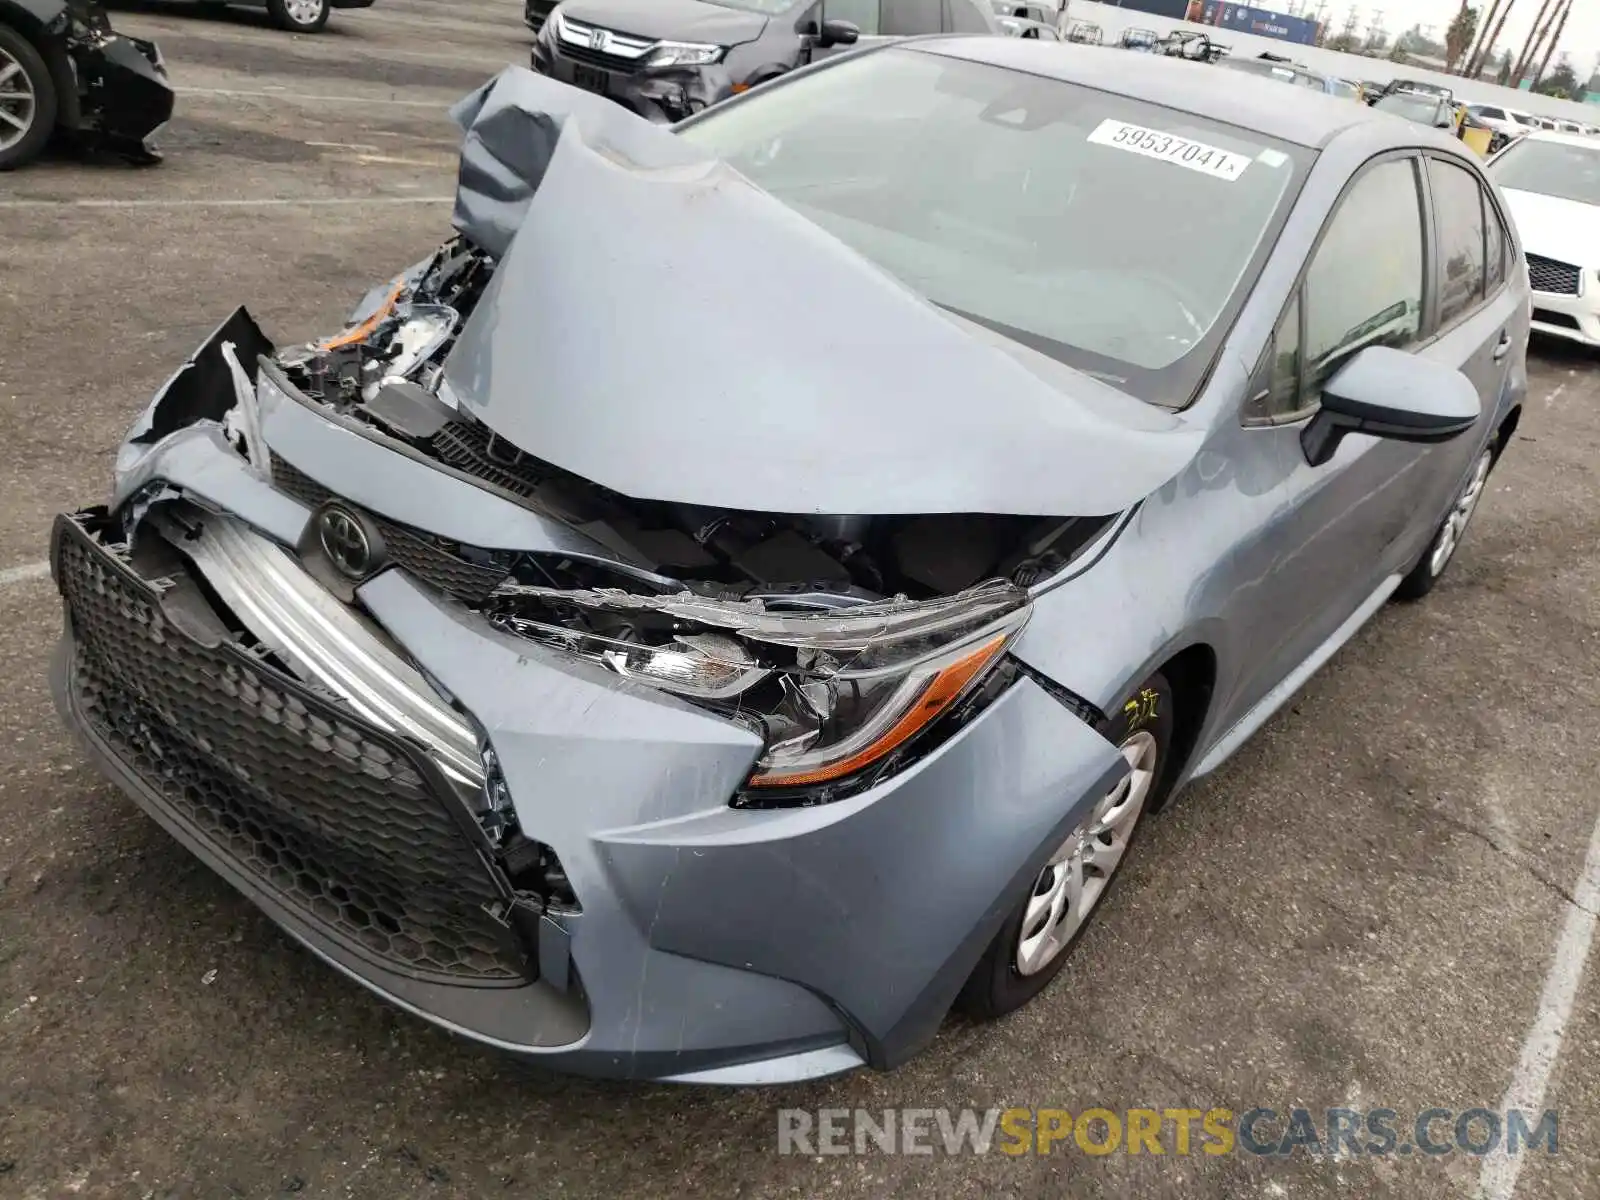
1496 247
1458 210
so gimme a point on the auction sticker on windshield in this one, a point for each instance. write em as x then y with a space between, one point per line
1185 152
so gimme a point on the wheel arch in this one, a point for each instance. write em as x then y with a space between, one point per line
1506 430
1192 674
765 73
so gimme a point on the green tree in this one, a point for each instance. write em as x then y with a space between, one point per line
1560 83
1458 37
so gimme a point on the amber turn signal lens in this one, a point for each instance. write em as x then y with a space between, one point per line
936 697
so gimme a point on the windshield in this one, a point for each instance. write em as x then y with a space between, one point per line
771 8
1551 169
1107 233
1413 107
1347 91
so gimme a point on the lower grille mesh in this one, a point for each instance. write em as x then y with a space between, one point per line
334 817
1552 275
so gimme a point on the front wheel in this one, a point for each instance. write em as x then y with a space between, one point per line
27 100
1419 582
299 16
1033 944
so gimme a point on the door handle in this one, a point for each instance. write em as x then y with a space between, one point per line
1504 346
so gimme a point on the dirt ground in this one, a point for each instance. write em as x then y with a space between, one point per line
1362 909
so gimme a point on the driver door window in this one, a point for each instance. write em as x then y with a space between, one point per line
863 14
1364 287
964 16
907 18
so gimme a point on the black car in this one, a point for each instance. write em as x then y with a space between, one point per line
63 69
668 58
297 16
1426 108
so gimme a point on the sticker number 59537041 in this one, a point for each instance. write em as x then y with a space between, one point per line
1168 147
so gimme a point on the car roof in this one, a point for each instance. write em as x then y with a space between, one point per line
1303 116
1564 139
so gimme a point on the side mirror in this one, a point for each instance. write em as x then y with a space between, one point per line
838 33
1388 393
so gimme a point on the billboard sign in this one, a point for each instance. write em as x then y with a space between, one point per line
1260 21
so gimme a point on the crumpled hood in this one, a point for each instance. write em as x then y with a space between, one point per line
1555 228
659 325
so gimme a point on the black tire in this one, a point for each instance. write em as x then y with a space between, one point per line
46 103
1427 571
284 19
996 987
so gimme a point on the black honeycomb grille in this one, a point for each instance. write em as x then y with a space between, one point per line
467 573
473 450
1552 275
335 818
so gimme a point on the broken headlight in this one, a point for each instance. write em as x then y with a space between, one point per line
832 693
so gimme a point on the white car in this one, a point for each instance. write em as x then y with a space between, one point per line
1502 120
1551 183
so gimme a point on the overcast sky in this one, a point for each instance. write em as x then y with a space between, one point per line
1581 37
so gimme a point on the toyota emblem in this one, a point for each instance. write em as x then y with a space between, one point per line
344 540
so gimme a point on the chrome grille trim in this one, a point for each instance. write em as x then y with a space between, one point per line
324 642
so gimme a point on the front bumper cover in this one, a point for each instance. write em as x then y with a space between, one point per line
711 944
1574 318
124 96
663 95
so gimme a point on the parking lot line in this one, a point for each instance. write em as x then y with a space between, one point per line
286 94
236 202
1498 1179
24 574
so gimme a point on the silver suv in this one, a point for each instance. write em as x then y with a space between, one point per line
670 58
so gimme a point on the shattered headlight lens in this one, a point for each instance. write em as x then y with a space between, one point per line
705 666
835 721
831 693
684 54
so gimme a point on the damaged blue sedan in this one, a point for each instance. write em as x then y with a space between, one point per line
743 595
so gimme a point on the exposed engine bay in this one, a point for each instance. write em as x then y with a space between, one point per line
844 643
847 639
386 372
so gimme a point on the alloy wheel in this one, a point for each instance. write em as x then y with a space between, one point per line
304 12
18 104
1072 882
1455 525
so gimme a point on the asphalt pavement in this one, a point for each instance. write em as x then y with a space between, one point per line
1380 902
